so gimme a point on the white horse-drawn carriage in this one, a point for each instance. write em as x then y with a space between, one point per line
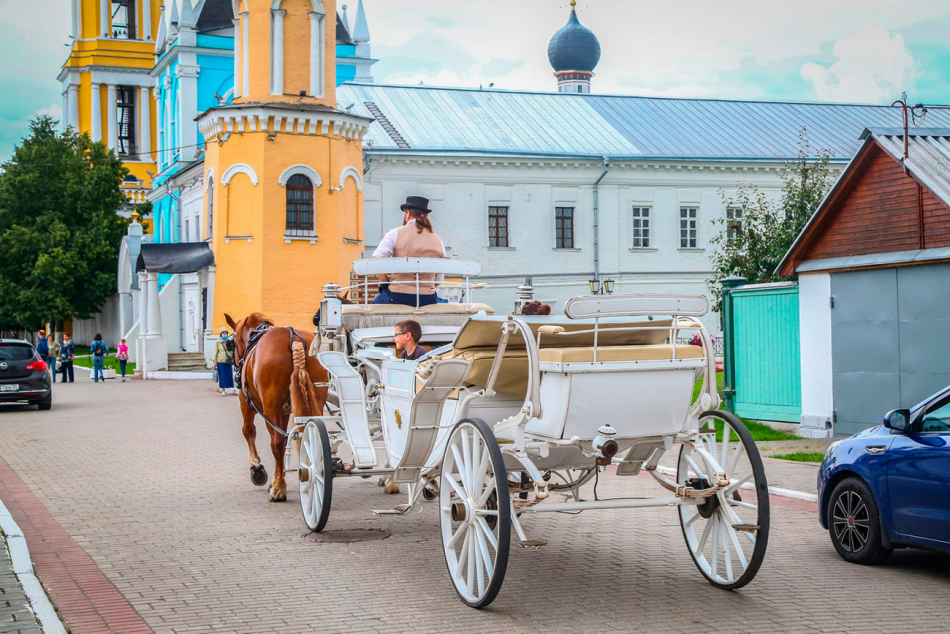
515 415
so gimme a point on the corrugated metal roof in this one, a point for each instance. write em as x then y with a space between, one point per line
562 124
928 155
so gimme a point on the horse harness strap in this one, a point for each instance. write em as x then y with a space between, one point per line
252 339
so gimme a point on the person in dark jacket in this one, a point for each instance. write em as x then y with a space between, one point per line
42 346
406 336
67 352
99 351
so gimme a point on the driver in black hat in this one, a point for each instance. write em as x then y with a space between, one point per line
414 239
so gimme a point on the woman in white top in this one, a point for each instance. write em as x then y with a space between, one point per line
415 239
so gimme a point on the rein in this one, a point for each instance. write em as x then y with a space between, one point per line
253 338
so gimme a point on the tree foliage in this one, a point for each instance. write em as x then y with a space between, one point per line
59 232
753 245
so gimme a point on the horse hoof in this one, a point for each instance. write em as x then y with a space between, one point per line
259 475
391 487
280 498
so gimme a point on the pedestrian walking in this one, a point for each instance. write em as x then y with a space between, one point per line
99 351
42 346
67 352
122 356
53 354
223 360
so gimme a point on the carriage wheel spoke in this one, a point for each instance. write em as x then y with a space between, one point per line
726 551
715 546
483 498
702 540
745 505
489 535
735 458
693 519
465 466
738 483
696 470
455 536
454 484
483 554
471 565
734 538
463 554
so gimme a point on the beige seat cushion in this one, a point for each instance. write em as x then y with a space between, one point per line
512 375
619 353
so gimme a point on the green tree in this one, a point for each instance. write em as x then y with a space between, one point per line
752 242
59 232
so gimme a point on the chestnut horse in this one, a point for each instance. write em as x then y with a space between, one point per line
277 380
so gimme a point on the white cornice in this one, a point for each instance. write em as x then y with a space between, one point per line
262 118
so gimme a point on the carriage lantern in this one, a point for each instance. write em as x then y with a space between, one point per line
594 287
609 287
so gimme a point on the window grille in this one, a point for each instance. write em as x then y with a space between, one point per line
563 227
210 206
641 227
125 117
689 228
733 222
497 226
299 206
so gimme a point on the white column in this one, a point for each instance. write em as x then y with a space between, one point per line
316 54
146 20
154 314
95 113
111 118
73 117
104 18
75 22
64 122
237 60
141 313
246 74
145 123
277 53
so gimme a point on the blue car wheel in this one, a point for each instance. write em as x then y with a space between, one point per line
855 523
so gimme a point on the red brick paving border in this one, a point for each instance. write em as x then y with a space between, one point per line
83 596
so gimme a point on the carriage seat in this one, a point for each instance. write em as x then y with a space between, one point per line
661 352
512 375
357 316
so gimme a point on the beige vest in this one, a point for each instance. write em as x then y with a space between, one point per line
410 243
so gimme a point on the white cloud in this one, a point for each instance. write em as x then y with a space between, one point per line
871 66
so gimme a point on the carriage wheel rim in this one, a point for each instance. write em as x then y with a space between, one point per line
851 521
469 488
312 491
726 556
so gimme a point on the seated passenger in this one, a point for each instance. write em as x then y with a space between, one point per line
536 308
414 239
406 336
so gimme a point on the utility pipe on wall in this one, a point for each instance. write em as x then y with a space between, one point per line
597 219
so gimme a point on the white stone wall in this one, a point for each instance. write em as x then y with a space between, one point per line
461 190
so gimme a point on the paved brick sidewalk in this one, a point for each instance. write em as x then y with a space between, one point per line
150 479
15 615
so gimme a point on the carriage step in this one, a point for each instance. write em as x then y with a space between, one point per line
746 528
399 509
532 543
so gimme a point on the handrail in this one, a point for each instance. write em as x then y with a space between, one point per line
445 266
636 304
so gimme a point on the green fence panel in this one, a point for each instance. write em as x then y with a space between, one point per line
765 347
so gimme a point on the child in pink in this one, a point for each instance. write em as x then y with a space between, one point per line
122 356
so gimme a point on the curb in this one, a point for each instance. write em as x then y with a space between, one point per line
39 603
779 491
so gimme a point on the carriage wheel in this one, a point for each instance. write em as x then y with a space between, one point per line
315 475
728 533
475 512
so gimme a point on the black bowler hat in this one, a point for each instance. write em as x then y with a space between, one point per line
416 202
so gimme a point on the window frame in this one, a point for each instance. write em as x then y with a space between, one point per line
684 238
507 226
130 25
559 242
290 187
646 224
732 219
125 100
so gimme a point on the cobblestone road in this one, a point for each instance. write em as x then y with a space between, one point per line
150 479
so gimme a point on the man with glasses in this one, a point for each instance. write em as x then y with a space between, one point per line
406 336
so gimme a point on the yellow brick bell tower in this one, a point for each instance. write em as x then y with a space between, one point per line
283 166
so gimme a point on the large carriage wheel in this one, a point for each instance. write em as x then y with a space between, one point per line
316 475
728 533
475 512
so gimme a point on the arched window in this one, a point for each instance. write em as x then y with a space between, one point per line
210 195
299 206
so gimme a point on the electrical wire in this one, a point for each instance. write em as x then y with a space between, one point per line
105 158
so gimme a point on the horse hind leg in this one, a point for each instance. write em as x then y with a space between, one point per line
278 490
258 472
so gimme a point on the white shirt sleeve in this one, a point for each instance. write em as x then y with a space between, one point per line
388 244
440 277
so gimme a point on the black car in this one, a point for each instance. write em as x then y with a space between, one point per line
24 376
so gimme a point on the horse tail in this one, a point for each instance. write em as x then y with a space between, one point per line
303 397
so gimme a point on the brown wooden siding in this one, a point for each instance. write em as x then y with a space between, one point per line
879 214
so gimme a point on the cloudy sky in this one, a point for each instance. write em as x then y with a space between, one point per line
864 51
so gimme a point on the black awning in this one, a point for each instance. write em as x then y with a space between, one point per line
182 257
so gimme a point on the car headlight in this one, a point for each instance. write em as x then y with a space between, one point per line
831 448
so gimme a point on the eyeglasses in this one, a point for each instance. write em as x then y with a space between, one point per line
399 334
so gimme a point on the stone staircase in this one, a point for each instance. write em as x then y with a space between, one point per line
187 362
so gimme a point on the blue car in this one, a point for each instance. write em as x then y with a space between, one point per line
889 486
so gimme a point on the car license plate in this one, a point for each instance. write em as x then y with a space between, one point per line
9 387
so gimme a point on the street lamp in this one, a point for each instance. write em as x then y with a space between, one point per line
594 286
609 286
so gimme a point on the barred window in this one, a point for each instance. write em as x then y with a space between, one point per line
299 206
563 227
689 232
497 226
641 227
733 222
125 119
210 206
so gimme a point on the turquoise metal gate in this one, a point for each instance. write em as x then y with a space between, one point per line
762 356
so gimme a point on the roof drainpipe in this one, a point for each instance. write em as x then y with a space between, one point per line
597 219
